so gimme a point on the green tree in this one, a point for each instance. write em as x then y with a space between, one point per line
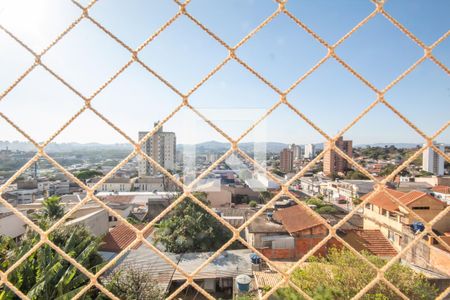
86 174
52 208
265 196
45 274
356 175
134 283
341 275
189 228
387 170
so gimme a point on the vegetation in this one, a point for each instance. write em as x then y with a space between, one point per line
278 172
321 206
341 275
45 274
423 173
265 196
86 174
388 169
355 175
189 228
239 199
134 283
252 203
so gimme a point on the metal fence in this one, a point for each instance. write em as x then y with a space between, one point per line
187 189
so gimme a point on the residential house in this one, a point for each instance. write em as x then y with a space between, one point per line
385 214
113 185
442 192
10 224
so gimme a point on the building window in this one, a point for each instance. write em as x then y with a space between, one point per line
421 207
267 244
391 236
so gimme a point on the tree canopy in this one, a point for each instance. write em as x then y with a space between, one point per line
45 274
134 283
189 228
341 275
86 174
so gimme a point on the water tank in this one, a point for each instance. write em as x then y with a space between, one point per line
243 282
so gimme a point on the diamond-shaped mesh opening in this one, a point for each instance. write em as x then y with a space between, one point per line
101 67
40 22
142 273
318 94
16 241
332 25
280 61
177 233
43 194
282 159
330 273
148 98
187 44
40 94
382 33
89 59
22 60
414 91
133 15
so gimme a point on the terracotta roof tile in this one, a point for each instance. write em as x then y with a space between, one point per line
119 238
443 189
370 240
297 218
411 196
117 198
383 200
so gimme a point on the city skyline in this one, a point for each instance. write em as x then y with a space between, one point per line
136 98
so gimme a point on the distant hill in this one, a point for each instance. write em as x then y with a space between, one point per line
64 147
248 147
201 147
396 145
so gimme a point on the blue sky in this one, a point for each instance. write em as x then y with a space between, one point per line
183 54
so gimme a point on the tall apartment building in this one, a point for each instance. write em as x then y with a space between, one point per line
333 163
309 151
162 148
432 162
296 150
286 160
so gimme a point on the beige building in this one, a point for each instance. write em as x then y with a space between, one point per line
383 214
333 163
113 185
161 147
390 218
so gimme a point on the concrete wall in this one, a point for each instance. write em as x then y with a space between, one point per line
436 206
427 256
97 222
220 198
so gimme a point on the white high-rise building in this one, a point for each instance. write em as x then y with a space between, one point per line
309 151
432 162
296 150
162 148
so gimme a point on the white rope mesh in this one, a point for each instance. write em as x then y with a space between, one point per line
184 103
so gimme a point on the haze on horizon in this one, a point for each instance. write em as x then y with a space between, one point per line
183 54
